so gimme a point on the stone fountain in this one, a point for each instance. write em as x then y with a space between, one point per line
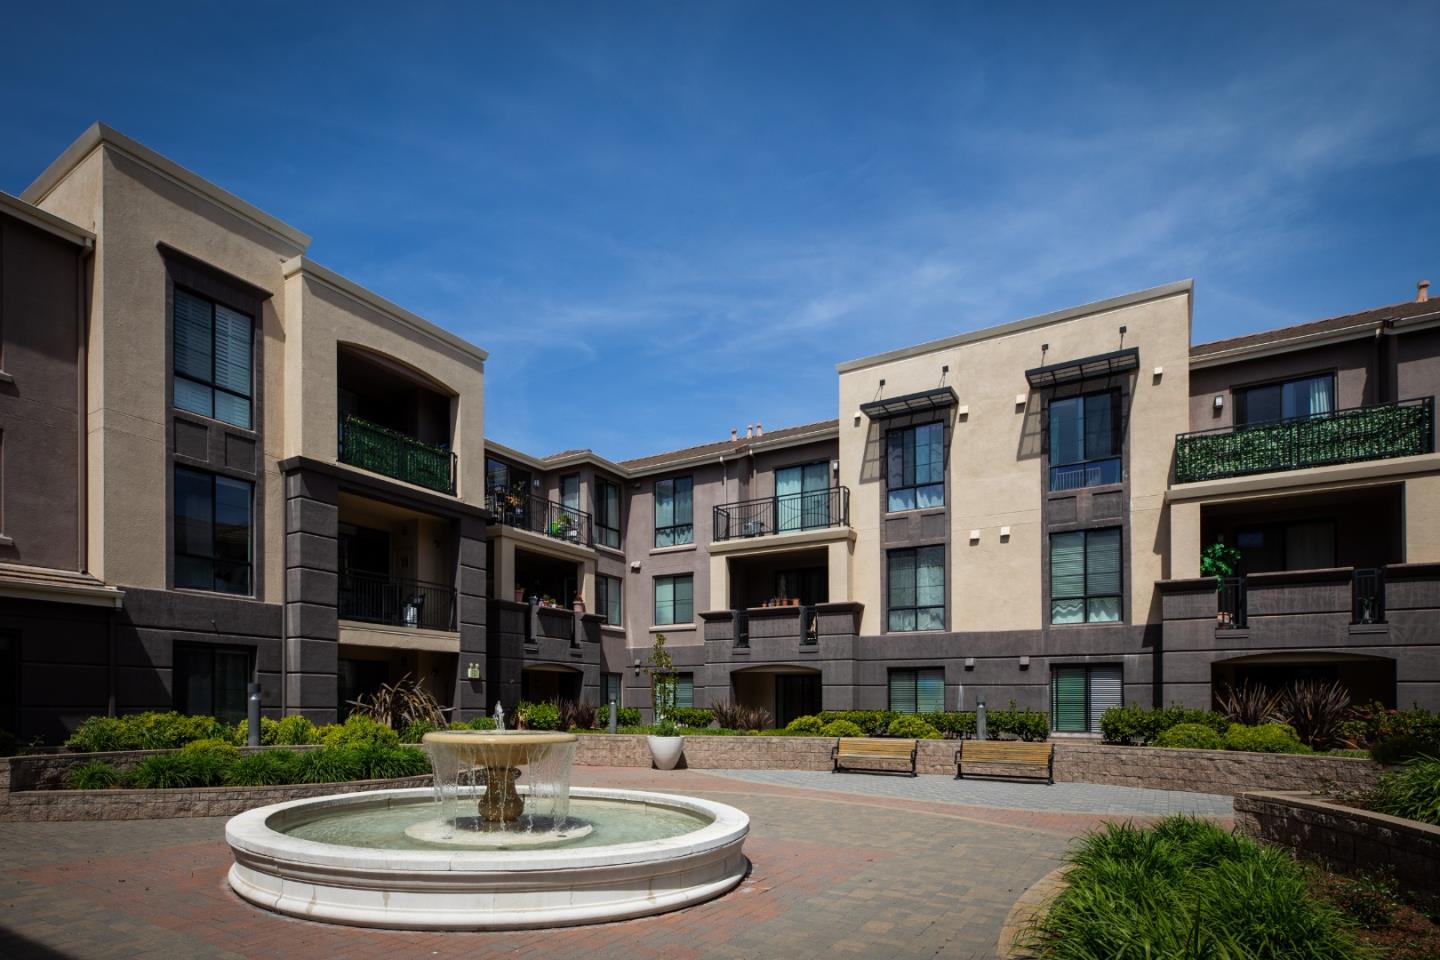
501 841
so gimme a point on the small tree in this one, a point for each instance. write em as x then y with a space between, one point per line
1219 560
661 668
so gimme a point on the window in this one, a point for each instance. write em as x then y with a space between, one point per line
917 691
802 497
607 598
685 690
673 509
212 680
607 513
1085 440
212 532
915 467
212 359
609 689
1080 695
570 492
1302 397
1085 575
674 600
917 589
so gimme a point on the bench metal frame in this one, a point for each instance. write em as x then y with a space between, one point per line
960 763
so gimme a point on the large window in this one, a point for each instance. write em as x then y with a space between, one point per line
802 497
212 532
212 680
607 513
915 467
607 598
674 508
1292 399
917 589
1085 576
570 491
674 600
917 691
1085 440
212 359
1080 695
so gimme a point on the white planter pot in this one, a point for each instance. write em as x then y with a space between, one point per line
666 751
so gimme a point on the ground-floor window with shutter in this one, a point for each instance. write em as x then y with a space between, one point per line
685 690
1080 695
917 691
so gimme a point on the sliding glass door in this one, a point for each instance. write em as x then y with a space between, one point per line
802 497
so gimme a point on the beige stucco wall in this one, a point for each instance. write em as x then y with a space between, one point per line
994 457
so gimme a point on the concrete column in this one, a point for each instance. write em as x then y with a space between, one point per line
1422 519
1185 543
504 568
311 595
470 695
838 562
719 583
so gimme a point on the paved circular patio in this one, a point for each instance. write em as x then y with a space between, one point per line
849 864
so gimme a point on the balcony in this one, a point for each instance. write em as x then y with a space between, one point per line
398 603
782 514
381 450
1380 432
546 517
1366 596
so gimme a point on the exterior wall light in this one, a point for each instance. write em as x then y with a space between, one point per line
974 536
1219 402
472 671
1024 663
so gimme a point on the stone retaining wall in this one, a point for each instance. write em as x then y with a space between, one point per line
1224 772
1345 838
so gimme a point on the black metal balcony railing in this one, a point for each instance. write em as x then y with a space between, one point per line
539 515
782 514
1378 432
400 603
1230 604
378 449
1369 596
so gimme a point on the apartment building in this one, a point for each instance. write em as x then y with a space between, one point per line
225 464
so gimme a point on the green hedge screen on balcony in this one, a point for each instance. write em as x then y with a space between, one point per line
378 449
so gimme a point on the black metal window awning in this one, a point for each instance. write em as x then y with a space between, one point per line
921 402
1087 368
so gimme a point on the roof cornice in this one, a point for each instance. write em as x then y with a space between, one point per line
1308 341
309 268
45 220
99 135
1019 326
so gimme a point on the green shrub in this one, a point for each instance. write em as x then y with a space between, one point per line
1265 738
415 731
1136 725
391 763
911 727
357 731
295 730
95 775
873 722
626 717
1191 736
1412 793
165 771
1401 748
841 728
209 759
331 765
240 736
805 725
954 723
267 768
1186 889
538 716
145 731
481 723
1024 724
100 735
691 716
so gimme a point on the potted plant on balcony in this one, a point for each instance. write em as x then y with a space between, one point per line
1220 560
666 743
561 527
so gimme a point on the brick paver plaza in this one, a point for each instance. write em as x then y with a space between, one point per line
842 865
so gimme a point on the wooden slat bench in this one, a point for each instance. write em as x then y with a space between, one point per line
871 750
1013 753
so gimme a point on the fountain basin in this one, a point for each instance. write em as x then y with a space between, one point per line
464 889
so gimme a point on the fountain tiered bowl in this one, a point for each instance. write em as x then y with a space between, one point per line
500 842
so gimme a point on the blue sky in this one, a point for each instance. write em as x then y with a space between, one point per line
664 220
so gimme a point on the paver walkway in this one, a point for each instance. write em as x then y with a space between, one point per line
843 867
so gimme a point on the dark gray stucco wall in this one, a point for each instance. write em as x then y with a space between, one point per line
311 594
